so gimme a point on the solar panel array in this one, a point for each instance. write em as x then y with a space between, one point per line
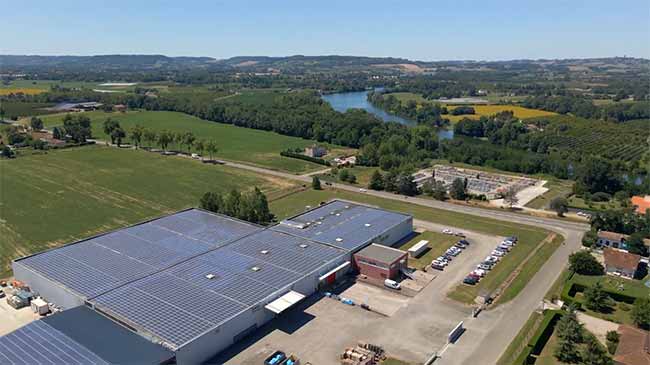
187 299
40 343
105 262
342 224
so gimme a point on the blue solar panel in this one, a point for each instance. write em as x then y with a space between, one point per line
342 224
39 343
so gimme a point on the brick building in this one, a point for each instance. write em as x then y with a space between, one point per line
381 262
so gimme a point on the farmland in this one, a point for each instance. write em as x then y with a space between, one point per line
235 143
14 109
481 110
69 194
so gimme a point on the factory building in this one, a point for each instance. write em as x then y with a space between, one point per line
193 283
381 262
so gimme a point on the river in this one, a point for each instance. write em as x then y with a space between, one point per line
359 100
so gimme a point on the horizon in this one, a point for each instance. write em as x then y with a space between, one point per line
460 30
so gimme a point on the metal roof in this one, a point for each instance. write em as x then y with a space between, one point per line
342 224
382 253
96 265
190 298
40 343
105 338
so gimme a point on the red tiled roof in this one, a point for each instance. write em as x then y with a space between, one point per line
642 203
621 259
633 347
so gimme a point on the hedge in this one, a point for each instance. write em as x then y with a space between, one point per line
300 156
540 338
571 289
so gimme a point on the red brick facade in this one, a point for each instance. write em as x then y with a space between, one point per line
380 270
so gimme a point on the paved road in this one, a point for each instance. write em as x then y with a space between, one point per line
488 335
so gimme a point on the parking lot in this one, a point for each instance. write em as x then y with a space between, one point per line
320 328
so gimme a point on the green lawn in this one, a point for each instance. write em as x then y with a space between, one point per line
529 237
47 200
438 244
579 203
556 188
362 174
235 143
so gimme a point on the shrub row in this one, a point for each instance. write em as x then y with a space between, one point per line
541 337
571 289
300 156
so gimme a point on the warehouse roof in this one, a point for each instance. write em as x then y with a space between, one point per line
96 265
382 253
342 224
186 300
40 343
108 340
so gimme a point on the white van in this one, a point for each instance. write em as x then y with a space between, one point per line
392 284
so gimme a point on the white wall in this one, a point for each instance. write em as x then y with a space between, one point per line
49 290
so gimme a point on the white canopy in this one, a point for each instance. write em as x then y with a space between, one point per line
284 302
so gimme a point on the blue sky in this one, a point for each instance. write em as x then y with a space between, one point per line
421 30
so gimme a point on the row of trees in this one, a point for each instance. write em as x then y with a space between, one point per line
571 334
426 113
251 206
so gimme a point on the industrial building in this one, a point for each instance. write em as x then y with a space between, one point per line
194 282
381 262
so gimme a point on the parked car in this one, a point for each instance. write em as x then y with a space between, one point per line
470 280
460 245
498 253
447 231
484 267
479 272
492 258
437 265
459 234
392 284
464 242
453 251
504 247
442 259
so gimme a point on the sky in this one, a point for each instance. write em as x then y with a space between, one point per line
417 30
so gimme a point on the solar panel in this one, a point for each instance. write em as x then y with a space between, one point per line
39 343
342 224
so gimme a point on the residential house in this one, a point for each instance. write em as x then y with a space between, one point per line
633 346
615 240
621 263
641 203
315 151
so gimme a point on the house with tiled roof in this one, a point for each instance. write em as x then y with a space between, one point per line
615 240
633 346
641 203
621 263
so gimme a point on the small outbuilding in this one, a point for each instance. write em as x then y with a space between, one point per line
315 151
633 347
381 262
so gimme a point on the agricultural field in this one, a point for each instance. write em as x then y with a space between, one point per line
14 110
481 110
235 143
626 141
64 195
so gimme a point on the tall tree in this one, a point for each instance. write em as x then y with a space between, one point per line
109 126
164 139
635 244
117 135
315 183
560 205
584 263
188 140
510 196
150 136
596 298
594 354
570 334
457 190
199 146
36 123
137 133
211 147
439 191
376 181
641 313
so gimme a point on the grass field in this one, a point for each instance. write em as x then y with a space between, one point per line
438 244
556 188
47 200
235 143
19 109
362 174
579 203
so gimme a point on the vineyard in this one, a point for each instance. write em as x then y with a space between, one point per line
625 141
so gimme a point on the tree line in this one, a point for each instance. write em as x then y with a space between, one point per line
250 206
585 108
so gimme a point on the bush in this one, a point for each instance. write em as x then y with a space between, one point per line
601 197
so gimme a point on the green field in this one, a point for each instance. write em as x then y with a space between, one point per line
22 109
438 244
235 143
69 194
556 188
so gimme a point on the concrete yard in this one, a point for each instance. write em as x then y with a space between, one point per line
12 319
380 300
319 329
